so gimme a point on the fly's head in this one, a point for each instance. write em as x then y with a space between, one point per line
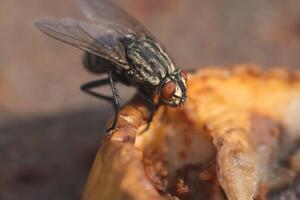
172 90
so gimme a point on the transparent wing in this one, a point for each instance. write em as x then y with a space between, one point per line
101 39
105 10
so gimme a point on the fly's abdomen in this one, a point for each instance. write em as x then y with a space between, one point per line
96 64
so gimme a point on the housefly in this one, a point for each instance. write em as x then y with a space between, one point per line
121 47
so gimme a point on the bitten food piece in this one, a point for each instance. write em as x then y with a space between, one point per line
227 141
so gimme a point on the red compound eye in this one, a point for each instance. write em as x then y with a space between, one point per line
183 74
168 90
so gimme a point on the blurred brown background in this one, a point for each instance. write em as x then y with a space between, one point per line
50 130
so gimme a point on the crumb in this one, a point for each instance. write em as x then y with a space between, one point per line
181 187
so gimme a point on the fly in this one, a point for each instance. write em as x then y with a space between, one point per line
118 45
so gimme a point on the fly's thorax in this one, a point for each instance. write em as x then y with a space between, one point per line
172 90
148 62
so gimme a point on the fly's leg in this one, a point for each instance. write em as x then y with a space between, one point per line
153 107
87 88
116 100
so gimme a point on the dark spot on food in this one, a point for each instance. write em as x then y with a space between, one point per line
188 185
128 139
182 155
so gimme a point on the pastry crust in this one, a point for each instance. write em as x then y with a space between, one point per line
225 142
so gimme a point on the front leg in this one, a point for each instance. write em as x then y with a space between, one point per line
150 102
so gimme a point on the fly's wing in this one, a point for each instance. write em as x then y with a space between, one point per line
104 10
99 39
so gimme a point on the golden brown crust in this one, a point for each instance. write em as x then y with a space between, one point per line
227 134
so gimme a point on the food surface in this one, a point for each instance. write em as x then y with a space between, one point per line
236 137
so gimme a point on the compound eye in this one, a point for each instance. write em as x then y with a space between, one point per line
183 74
168 90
